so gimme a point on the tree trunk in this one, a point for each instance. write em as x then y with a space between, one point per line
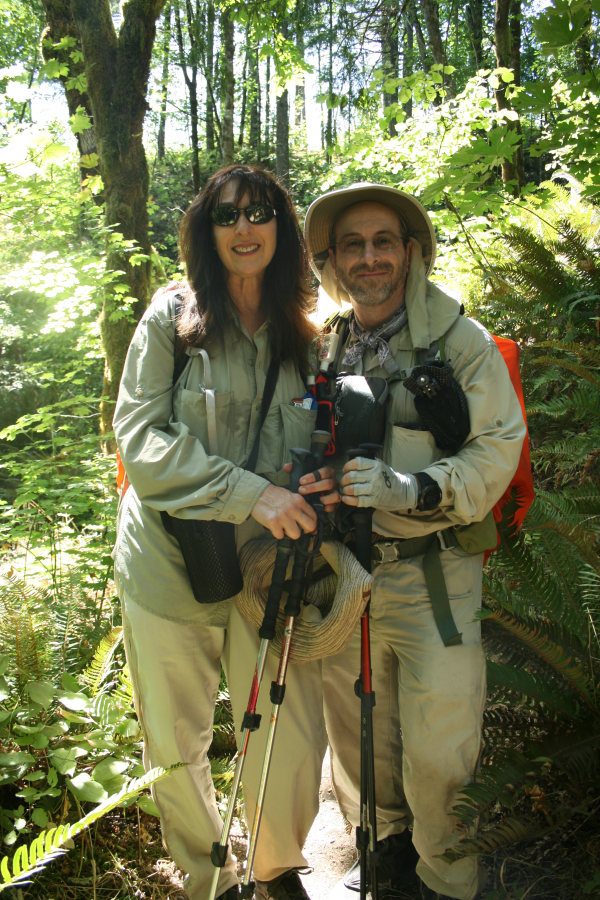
164 85
193 92
117 70
209 73
268 110
329 131
413 19
283 138
407 61
502 37
60 24
389 52
228 88
244 97
300 99
474 20
436 44
255 126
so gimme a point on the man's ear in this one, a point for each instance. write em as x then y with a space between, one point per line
332 260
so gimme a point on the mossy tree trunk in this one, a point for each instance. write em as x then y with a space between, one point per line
507 57
117 69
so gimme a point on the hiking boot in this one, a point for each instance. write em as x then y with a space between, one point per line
285 887
397 864
231 893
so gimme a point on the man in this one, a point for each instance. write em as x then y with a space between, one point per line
374 247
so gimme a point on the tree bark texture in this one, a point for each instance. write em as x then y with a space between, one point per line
268 110
436 44
188 63
209 74
117 70
408 61
255 104
504 59
164 85
413 18
283 139
60 24
228 82
474 20
300 99
389 52
244 97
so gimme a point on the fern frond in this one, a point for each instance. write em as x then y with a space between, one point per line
587 352
575 368
533 688
99 668
491 785
587 401
510 831
52 843
533 634
574 752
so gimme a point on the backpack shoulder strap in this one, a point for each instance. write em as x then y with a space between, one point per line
181 357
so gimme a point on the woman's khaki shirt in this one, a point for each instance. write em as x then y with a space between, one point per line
162 436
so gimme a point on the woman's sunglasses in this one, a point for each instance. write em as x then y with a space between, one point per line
256 214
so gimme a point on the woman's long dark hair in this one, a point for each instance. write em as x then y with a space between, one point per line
286 298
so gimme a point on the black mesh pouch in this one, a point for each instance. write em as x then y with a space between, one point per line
441 403
359 410
210 556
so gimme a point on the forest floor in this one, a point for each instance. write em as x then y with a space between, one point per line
122 857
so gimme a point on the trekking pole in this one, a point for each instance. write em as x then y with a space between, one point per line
366 832
306 461
251 720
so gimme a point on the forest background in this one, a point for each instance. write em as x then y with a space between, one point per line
111 119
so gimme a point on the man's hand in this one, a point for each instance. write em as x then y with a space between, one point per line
327 486
284 513
369 482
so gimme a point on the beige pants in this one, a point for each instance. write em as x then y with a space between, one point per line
175 671
427 718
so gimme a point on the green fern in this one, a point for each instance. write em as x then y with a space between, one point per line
27 861
510 831
99 668
519 683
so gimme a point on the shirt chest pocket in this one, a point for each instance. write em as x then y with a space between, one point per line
286 426
409 451
190 408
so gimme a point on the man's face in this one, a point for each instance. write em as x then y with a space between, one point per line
375 275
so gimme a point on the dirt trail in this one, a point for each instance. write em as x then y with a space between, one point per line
329 849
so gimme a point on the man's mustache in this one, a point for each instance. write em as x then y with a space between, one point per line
363 267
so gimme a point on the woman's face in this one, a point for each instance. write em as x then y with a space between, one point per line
244 249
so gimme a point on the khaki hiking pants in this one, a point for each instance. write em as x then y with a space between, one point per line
175 671
427 718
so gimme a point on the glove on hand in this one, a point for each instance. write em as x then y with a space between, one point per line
376 485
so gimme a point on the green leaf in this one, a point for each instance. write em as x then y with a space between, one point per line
16 759
54 69
4 663
65 759
147 805
9 840
4 688
39 817
41 692
70 683
74 701
56 153
79 121
85 788
108 769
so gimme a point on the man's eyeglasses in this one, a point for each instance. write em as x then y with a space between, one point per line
256 214
355 246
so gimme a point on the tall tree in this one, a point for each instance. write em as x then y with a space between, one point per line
244 93
408 60
117 68
61 26
329 128
189 60
228 86
300 98
268 109
389 51
164 83
209 75
282 164
255 101
512 169
436 44
474 20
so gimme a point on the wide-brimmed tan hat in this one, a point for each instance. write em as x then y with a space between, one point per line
323 212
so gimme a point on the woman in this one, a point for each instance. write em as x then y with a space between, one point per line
245 302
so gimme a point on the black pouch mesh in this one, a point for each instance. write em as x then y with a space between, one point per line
441 404
210 557
359 410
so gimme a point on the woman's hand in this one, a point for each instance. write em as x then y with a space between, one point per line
328 486
284 513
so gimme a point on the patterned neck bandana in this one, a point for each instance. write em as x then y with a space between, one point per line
376 340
